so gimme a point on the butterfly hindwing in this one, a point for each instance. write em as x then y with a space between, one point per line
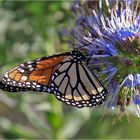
74 84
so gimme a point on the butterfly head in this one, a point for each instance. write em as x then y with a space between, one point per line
78 55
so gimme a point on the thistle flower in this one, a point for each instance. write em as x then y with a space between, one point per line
112 40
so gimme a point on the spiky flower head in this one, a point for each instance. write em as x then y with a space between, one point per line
109 31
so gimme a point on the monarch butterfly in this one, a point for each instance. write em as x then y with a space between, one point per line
65 75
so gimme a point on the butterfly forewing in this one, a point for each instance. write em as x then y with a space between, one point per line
32 75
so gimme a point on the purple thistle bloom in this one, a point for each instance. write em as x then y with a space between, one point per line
110 33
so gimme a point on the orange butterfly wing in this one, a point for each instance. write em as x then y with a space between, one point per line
32 75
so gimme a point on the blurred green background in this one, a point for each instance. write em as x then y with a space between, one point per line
29 30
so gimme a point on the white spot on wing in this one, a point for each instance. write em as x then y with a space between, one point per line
6 75
24 78
22 71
